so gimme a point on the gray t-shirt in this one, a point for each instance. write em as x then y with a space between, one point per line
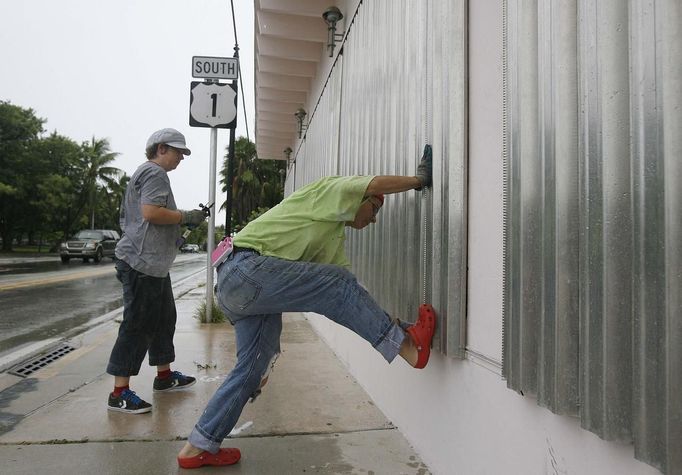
146 247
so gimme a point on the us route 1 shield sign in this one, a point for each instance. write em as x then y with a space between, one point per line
213 105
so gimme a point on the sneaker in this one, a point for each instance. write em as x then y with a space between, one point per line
176 381
128 402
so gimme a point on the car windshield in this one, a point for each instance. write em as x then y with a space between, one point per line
88 235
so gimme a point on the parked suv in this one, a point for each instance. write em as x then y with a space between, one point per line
95 243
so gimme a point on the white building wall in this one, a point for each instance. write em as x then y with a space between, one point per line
462 419
459 414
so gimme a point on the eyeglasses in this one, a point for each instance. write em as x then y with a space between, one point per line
170 147
375 207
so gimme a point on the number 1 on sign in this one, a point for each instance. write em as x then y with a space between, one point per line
213 105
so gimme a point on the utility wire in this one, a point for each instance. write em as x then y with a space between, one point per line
239 70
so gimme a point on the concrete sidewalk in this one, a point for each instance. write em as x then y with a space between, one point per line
311 418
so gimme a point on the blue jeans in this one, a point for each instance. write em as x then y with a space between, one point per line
148 324
253 291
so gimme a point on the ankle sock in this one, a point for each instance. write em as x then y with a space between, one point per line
119 389
164 374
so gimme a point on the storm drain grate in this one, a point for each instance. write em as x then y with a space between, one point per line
39 362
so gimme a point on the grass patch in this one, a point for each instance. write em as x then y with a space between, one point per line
217 315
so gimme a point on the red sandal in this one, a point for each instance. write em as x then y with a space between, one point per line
223 457
422 334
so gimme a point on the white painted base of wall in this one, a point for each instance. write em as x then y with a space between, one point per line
461 418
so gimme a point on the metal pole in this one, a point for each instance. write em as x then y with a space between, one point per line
230 179
230 161
210 245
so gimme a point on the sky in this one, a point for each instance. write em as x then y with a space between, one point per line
121 70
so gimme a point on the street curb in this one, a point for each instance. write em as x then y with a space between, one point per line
32 350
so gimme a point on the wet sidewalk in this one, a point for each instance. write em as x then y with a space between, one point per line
311 418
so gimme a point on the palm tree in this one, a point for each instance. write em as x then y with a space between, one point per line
97 156
109 202
256 182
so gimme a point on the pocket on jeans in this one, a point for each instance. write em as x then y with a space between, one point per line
239 291
122 271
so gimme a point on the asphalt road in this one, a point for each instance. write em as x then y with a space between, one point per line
41 298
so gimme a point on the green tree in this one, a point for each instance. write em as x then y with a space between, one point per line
109 200
56 200
97 173
50 186
19 130
70 192
257 183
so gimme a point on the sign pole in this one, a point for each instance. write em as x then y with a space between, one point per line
213 104
211 225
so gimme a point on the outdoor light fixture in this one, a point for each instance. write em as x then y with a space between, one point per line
282 174
300 116
287 153
331 16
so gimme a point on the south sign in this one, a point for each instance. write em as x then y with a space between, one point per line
210 67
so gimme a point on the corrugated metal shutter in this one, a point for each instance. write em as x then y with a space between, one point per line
400 83
593 313
656 111
541 255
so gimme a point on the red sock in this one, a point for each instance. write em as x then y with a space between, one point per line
119 389
164 374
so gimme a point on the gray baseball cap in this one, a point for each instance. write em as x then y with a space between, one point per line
169 137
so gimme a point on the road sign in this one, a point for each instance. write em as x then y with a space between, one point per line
210 67
213 105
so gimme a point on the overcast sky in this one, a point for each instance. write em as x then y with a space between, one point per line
121 70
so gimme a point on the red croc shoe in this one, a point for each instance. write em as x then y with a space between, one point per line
422 334
223 457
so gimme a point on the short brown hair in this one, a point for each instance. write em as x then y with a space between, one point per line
152 150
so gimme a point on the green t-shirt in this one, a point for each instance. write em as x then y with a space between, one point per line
308 225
